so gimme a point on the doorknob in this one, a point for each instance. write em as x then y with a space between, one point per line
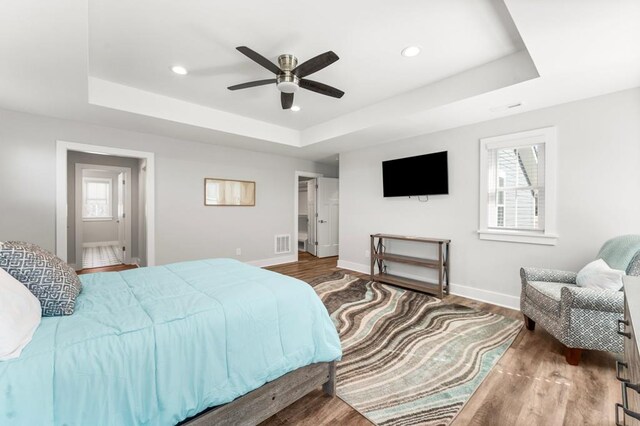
322 221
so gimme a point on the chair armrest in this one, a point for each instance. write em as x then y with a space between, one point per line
548 275
592 299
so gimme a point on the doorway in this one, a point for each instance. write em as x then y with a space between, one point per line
136 215
316 213
103 219
306 212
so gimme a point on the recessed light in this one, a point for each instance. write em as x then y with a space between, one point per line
410 51
295 108
179 70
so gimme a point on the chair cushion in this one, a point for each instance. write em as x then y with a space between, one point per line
546 295
619 251
48 277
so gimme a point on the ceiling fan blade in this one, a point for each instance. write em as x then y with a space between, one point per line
315 64
258 58
287 100
252 84
321 88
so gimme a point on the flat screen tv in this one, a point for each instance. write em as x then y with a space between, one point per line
413 176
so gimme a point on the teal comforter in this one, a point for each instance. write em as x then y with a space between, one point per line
158 345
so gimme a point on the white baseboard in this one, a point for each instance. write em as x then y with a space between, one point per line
487 296
101 244
481 295
273 261
352 266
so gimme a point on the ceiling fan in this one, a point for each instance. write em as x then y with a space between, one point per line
290 76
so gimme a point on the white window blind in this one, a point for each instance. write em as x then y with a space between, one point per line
96 198
516 187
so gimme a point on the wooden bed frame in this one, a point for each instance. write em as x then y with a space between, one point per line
267 400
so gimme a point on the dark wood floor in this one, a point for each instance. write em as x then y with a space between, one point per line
114 268
531 385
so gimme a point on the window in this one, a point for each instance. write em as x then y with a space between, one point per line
96 195
517 192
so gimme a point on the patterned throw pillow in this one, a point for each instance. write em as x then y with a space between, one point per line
51 280
634 266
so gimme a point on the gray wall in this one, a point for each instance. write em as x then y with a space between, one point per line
598 191
98 230
185 228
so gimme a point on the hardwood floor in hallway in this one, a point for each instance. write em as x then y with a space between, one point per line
531 385
114 268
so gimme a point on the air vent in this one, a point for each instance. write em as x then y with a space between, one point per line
503 108
283 244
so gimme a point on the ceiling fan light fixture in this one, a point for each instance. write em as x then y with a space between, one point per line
410 51
287 82
287 87
180 70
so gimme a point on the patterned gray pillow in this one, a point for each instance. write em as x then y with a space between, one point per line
634 265
51 280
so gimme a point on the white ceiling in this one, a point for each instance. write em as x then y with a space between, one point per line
131 46
107 62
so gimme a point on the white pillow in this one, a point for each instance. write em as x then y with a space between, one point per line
598 274
20 314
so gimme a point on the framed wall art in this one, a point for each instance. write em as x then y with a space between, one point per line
227 192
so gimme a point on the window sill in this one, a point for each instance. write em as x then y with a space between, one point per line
97 219
518 237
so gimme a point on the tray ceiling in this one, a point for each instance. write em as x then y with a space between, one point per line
108 62
136 43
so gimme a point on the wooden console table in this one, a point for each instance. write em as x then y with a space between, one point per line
379 256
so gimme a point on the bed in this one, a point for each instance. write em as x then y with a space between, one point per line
162 345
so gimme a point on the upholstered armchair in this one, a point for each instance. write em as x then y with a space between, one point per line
580 318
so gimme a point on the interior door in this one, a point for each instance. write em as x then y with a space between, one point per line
121 218
327 220
311 214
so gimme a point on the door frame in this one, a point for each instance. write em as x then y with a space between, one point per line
296 192
78 208
62 148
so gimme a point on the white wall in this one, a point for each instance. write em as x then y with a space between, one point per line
142 201
598 187
303 210
185 228
303 202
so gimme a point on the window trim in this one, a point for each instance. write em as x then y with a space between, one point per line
87 179
546 136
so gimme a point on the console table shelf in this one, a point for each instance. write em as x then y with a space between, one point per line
379 256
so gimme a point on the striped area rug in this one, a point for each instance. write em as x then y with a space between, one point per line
409 358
